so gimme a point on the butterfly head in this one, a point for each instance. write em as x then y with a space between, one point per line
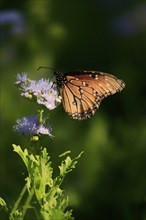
60 78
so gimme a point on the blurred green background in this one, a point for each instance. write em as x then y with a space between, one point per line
109 181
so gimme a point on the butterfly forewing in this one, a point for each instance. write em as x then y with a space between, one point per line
82 91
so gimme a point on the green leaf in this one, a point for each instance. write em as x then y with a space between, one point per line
68 164
42 175
56 214
28 182
66 152
50 196
3 204
17 215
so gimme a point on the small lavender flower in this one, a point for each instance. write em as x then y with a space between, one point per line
43 90
27 125
41 86
21 78
30 125
44 130
49 99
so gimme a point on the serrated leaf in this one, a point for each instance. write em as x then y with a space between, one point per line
42 175
63 154
68 164
22 154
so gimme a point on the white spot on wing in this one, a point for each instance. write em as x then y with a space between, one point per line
96 77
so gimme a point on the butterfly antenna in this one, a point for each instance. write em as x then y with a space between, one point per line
45 67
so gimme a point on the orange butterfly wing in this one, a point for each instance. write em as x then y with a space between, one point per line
83 92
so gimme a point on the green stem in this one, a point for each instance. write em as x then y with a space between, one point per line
27 202
16 205
41 116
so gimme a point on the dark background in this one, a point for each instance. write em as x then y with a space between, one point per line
109 182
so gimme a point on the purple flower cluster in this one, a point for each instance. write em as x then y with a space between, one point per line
13 19
44 91
30 125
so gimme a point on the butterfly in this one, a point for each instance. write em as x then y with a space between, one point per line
83 91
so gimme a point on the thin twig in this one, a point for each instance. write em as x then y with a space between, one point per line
15 207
